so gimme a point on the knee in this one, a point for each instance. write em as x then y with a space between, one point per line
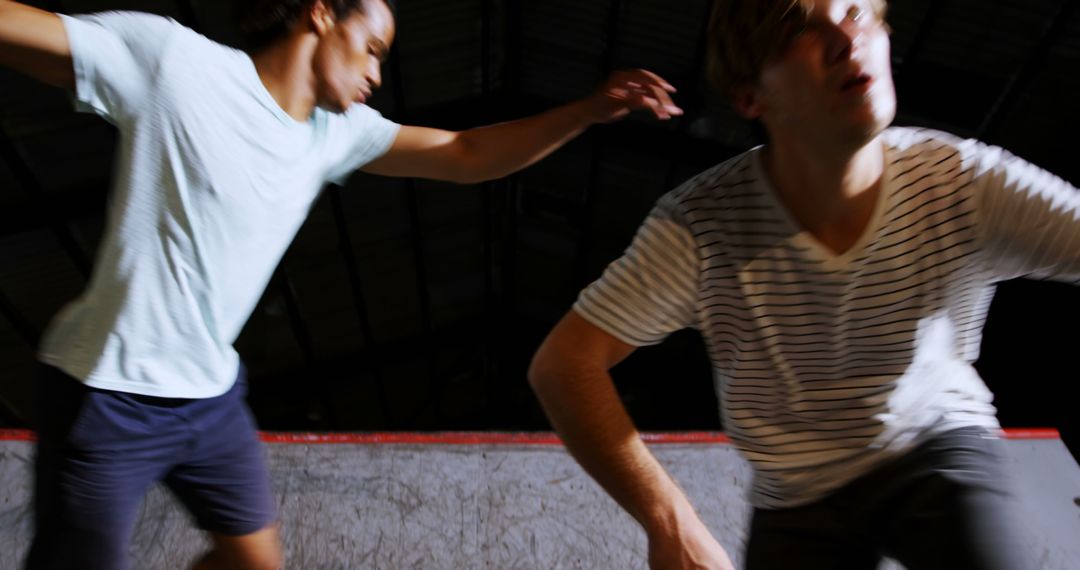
258 551
218 559
270 558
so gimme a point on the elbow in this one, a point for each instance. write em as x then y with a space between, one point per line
537 372
544 372
470 162
466 176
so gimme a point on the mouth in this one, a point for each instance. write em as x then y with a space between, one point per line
857 83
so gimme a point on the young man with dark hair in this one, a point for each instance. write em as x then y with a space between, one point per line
840 275
222 154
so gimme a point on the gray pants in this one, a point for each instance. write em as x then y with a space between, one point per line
946 505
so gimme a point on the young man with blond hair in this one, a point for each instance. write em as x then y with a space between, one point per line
222 154
840 275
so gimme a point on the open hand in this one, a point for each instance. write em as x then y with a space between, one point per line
632 90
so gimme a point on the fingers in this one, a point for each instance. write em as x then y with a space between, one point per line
655 99
664 99
657 80
647 91
643 77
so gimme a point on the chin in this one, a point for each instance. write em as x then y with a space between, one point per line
858 134
334 107
868 126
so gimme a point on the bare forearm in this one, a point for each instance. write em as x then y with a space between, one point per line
586 412
499 150
504 148
494 151
570 377
34 42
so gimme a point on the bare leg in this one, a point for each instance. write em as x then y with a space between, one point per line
260 550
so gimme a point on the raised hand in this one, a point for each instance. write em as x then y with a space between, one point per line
632 90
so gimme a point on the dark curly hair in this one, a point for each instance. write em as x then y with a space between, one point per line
262 21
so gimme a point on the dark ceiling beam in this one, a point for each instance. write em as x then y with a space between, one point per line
1033 64
487 58
918 43
23 327
423 285
419 252
352 267
487 15
503 203
283 284
513 34
412 200
188 15
51 122
585 229
10 416
356 286
416 233
326 416
611 37
397 352
62 206
26 179
693 101
491 335
71 206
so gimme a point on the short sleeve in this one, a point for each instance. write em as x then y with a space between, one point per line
652 290
1028 219
116 56
362 136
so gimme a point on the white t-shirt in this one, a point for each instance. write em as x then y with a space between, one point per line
828 365
213 180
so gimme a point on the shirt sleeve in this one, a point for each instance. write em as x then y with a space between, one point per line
1028 219
116 56
363 136
652 290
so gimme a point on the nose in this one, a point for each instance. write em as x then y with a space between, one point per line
374 73
845 39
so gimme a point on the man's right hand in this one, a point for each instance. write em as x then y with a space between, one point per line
688 547
570 375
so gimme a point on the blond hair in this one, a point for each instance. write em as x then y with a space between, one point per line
744 34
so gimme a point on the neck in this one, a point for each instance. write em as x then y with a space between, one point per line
284 67
820 185
830 194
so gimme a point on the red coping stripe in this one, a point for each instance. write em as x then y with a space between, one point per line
497 438
473 438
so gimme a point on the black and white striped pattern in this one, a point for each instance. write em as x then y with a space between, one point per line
827 365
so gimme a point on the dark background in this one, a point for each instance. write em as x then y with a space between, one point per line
411 305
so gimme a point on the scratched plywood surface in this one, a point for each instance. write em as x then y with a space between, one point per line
494 506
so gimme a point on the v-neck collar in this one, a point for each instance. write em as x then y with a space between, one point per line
803 238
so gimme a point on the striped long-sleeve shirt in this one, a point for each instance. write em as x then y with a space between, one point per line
827 365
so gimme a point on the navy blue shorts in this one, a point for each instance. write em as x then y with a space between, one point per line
99 451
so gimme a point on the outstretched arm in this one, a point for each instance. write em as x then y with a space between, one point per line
570 376
495 151
34 42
